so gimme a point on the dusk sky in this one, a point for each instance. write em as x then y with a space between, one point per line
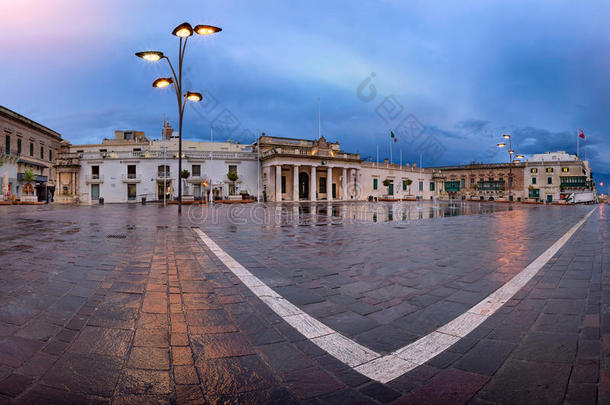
466 71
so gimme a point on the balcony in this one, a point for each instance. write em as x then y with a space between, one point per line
94 178
491 185
164 176
451 186
132 178
38 178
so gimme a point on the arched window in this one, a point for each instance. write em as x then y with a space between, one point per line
163 171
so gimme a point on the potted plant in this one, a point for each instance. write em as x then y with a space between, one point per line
232 176
408 182
28 177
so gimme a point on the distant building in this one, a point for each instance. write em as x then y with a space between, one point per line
27 148
480 181
131 167
552 176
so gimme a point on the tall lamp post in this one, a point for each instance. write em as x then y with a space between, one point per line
183 31
511 159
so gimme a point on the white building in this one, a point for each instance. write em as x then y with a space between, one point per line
128 169
396 182
552 176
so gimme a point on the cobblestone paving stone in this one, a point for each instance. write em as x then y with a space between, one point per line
123 304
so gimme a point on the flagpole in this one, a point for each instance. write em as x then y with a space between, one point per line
377 164
401 159
577 144
391 159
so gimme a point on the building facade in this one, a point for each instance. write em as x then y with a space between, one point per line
552 176
305 170
388 181
130 168
480 181
27 154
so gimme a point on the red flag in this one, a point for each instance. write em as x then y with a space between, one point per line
581 134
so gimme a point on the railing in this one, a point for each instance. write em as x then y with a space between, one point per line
37 177
94 178
164 175
309 152
169 155
132 178
491 185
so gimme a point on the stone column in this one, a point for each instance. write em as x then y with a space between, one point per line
329 184
278 183
356 185
344 184
295 183
312 184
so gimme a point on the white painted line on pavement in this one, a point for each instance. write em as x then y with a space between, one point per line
366 361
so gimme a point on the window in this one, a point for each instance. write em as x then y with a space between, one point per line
533 180
233 168
463 183
31 149
163 171
375 184
283 184
196 170
42 152
404 185
421 186
533 170
471 181
432 185
8 145
565 169
19 146
131 172
549 180
322 187
95 172
50 155
549 170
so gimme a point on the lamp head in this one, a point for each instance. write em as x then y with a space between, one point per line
151 56
506 136
501 145
163 82
193 96
184 30
206 29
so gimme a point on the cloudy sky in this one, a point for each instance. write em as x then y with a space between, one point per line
448 77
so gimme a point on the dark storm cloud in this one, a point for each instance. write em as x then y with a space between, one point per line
469 71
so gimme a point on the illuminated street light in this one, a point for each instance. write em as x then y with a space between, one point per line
501 145
151 56
183 31
519 157
193 96
506 136
162 82
206 29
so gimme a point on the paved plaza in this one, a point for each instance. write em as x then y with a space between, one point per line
315 304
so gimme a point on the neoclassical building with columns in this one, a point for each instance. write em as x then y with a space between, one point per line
306 170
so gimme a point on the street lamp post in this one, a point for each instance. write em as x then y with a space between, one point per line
183 31
511 159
